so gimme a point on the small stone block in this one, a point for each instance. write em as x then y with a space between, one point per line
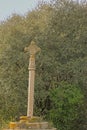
30 129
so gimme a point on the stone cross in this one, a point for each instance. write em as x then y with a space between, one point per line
32 49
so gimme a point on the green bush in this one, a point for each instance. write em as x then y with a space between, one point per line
67 100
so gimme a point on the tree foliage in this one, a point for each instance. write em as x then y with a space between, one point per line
59 28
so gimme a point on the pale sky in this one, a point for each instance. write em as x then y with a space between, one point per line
8 7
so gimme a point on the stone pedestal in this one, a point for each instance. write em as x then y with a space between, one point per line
31 129
26 123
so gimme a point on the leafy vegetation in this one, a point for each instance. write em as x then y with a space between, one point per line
59 29
66 101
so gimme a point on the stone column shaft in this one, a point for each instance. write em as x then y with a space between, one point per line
31 86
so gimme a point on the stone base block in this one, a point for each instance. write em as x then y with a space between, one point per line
30 123
30 129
